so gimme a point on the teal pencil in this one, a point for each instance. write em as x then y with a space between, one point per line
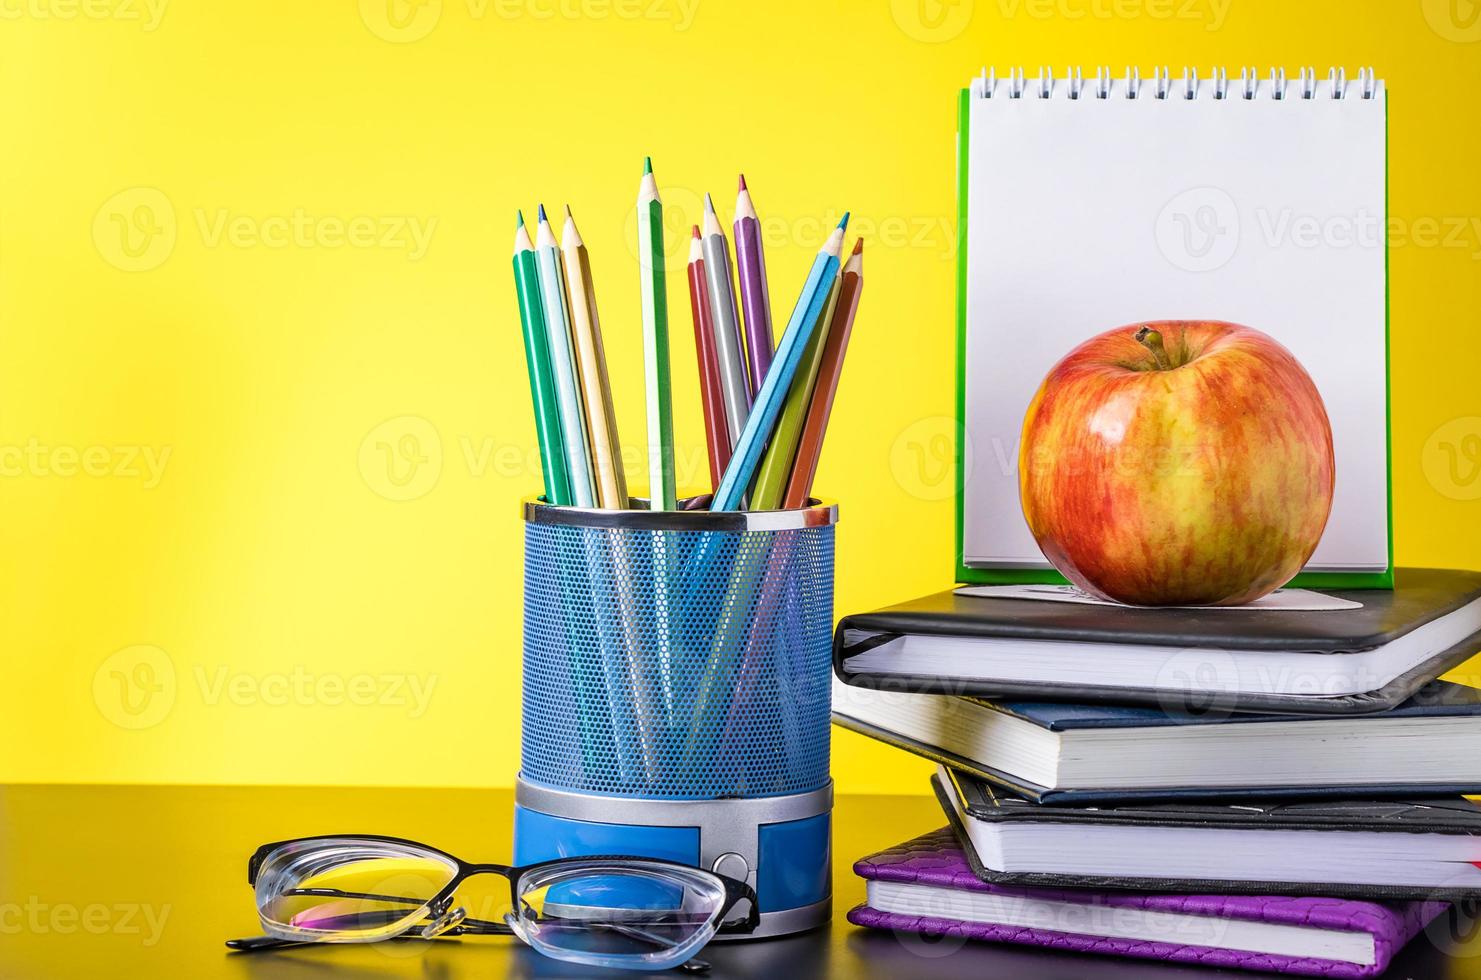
563 365
537 360
662 493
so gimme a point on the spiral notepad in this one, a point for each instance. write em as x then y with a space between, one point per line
1091 201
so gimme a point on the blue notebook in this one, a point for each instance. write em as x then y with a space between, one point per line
1078 754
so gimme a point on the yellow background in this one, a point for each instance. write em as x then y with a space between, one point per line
153 624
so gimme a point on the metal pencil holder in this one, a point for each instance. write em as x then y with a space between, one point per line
676 702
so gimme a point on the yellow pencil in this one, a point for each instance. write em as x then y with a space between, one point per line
591 366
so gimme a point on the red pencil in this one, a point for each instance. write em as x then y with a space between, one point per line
717 435
810 446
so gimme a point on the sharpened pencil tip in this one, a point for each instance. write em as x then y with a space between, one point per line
858 246
519 219
742 184
709 203
647 165
694 231
844 222
542 213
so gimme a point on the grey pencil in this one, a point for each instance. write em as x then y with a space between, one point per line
735 390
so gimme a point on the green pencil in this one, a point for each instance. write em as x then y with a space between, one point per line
537 360
781 452
661 490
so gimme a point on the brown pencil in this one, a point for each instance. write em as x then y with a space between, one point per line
810 446
717 436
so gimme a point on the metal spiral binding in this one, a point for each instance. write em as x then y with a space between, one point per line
1162 87
1160 79
1077 82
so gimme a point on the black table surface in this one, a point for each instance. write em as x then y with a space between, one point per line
147 881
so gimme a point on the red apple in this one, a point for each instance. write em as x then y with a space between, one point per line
1181 462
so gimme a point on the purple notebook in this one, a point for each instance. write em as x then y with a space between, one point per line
925 885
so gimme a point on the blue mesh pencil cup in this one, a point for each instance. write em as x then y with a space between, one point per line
677 694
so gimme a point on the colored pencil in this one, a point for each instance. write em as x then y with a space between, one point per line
563 364
800 326
750 267
591 364
717 437
661 490
781 450
734 388
810 447
537 361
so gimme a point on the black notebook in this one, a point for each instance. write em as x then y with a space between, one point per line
1079 754
1368 658
1383 849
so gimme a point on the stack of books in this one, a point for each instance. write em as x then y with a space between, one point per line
1277 787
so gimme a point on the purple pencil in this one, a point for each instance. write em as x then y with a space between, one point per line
750 261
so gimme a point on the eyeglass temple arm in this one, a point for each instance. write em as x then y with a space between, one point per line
468 927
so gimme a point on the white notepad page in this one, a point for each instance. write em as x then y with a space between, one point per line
1088 213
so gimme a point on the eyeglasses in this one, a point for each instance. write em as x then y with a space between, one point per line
625 912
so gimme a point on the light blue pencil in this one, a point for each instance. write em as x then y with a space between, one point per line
746 456
563 365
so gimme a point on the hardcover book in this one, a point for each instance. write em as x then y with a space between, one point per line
1354 848
1369 656
1079 754
926 885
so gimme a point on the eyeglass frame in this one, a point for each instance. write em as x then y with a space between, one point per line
439 904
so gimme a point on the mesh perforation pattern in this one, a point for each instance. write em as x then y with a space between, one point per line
668 664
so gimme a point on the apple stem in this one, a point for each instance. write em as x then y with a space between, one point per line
1152 340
